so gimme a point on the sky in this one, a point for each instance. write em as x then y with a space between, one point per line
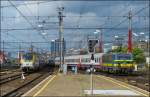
78 16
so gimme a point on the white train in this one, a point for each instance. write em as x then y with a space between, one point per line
113 62
82 61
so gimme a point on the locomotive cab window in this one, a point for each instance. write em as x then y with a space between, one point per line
28 56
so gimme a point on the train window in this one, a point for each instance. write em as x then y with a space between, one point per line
75 60
69 60
95 59
82 60
78 60
85 60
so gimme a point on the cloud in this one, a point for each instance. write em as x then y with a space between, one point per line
79 20
90 15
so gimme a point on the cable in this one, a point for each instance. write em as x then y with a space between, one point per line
24 4
25 18
28 8
75 0
127 18
74 28
13 17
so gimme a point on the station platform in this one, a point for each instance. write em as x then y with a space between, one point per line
79 85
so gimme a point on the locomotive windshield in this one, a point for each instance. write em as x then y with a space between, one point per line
28 56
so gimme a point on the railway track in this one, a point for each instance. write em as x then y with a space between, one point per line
136 79
17 87
14 92
8 72
139 80
10 78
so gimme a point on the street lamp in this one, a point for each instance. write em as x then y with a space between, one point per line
142 33
44 33
40 25
116 36
96 32
135 34
142 36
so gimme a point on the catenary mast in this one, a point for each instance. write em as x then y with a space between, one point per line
130 33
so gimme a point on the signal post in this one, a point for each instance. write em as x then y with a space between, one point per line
91 49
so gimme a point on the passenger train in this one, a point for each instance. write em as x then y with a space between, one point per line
32 61
112 63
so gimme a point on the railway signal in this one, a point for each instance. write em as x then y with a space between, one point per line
91 44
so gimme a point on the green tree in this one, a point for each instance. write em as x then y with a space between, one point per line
138 55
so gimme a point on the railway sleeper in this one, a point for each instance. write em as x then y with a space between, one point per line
9 79
15 91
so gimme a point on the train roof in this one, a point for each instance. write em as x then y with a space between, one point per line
77 56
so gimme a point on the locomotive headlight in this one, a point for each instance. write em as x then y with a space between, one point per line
30 63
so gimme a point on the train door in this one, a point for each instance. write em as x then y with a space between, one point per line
72 68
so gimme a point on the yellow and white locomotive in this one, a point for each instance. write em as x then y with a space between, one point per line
29 61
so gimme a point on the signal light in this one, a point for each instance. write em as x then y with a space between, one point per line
91 44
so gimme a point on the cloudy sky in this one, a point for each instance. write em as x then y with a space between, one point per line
82 18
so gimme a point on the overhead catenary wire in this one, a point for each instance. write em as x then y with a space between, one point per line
110 17
25 18
132 16
74 16
74 28
42 2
